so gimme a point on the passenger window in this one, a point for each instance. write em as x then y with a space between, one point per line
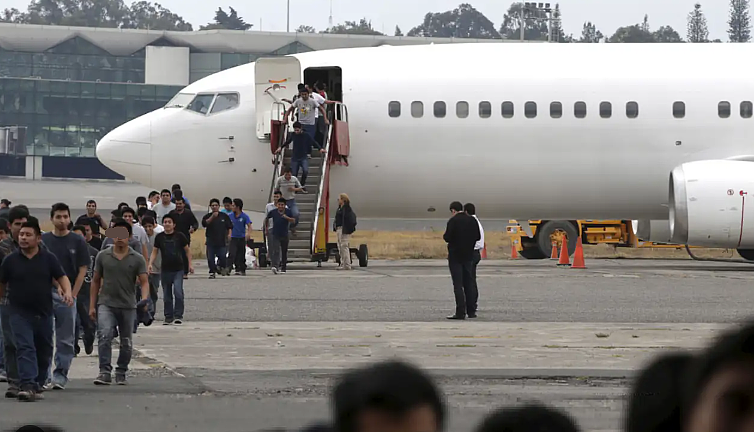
747 109
723 109
201 103
462 109
632 109
417 109
485 109
606 109
394 109
530 109
679 109
225 102
440 109
507 109
579 109
556 110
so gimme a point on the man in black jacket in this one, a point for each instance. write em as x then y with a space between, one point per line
461 235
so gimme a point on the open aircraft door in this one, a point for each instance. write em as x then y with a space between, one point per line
275 78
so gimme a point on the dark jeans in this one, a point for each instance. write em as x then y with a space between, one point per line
154 286
475 263
8 347
184 257
237 254
83 322
281 246
107 319
33 336
302 164
216 253
464 286
172 286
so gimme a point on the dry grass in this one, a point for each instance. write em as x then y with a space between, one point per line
397 245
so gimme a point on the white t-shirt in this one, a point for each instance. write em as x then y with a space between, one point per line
480 243
162 210
320 100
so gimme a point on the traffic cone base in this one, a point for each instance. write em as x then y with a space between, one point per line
554 254
484 251
578 256
565 260
514 251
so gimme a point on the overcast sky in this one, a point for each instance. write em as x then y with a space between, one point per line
608 15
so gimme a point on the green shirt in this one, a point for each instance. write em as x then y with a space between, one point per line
118 288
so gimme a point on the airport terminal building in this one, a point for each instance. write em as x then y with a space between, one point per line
63 88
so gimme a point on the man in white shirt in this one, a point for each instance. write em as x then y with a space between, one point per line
470 210
165 205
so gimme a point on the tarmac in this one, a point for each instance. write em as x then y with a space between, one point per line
263 351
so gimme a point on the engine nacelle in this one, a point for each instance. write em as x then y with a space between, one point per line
711 205
656 231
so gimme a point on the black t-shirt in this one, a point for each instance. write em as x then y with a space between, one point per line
29 280
186 221
91 221
217 230
71 250
170 246
96 243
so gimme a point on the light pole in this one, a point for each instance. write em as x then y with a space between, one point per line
288 20
536 10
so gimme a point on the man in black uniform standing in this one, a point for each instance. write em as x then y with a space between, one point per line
461 235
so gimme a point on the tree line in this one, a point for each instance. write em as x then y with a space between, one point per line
462 22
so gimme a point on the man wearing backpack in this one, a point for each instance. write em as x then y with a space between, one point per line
345 225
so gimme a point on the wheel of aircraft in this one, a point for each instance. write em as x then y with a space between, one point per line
531 251
556 229
363 255
747 254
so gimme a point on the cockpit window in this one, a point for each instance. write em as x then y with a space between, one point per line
201 103
225 102
181 100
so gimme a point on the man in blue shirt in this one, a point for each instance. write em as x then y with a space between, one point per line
239 234
281 219
302 146
27 275
178 192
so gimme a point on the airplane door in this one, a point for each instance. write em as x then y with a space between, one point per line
275 78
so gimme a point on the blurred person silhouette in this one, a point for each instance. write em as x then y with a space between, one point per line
532 417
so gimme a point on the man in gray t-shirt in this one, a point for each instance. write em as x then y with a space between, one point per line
306 108
288 185
113 296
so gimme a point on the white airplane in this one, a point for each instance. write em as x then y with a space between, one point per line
652 132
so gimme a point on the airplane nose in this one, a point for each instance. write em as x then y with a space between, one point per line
127 150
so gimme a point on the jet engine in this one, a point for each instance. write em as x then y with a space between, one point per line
656 231
712 204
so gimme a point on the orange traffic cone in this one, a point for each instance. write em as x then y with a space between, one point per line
578 256
484 251
554 254
565 260
514 251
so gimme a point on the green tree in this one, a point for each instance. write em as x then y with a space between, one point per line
398 31
363 27
632 34
145 15
12 15
461 22
82 13
306 29
739 22
645 24
590 34
227 21
666 34
534 29
556 27
696 28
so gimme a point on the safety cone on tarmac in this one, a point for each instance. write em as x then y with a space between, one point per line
565 260
578 256
514 251
554 254
484 251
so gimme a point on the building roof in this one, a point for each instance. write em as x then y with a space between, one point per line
38 38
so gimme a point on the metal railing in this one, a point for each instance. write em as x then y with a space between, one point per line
323 177
277 170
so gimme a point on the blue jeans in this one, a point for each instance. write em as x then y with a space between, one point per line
107 319
172 285
310 129
32 335
303 164
65 338
216 253
294 209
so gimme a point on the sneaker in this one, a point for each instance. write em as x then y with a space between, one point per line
238 273
11 393
282 271
274 270
3 377
58 386
120 379
39 395
178 321
26 396
103 379
47 386
167 322
212 276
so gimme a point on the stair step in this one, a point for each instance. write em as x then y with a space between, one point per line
298 244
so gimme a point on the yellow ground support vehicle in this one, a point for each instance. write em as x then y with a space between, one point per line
619 233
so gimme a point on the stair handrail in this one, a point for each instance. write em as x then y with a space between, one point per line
324 175
277 169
